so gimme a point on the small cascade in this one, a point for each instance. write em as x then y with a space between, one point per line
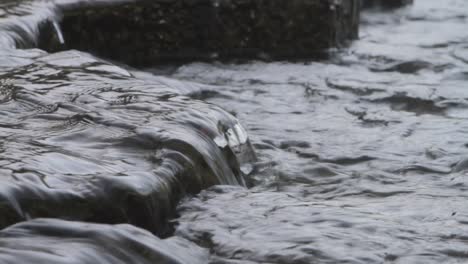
21 27
59 32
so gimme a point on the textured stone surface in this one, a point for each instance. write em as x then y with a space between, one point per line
385 3
147 32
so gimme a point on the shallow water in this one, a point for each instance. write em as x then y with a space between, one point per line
360 159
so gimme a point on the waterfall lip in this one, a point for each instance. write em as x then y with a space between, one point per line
165 142
21 30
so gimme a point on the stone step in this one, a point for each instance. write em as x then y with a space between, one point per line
385 3
148 32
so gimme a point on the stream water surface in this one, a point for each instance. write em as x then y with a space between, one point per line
361 158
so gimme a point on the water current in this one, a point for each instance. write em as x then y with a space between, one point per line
359 159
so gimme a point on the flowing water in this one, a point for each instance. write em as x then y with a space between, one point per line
359 159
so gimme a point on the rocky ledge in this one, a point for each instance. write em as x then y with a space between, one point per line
85 140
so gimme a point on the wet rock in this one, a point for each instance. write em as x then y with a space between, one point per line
385 3
54 241
149 32
84 140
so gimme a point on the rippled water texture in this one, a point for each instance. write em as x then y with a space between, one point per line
360 159
85 140
56 241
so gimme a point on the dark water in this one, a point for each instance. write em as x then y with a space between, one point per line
361 159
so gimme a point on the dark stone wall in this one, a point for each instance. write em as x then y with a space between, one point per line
385 3
147 32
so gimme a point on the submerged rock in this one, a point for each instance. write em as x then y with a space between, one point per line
49 241
85 140
146 32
